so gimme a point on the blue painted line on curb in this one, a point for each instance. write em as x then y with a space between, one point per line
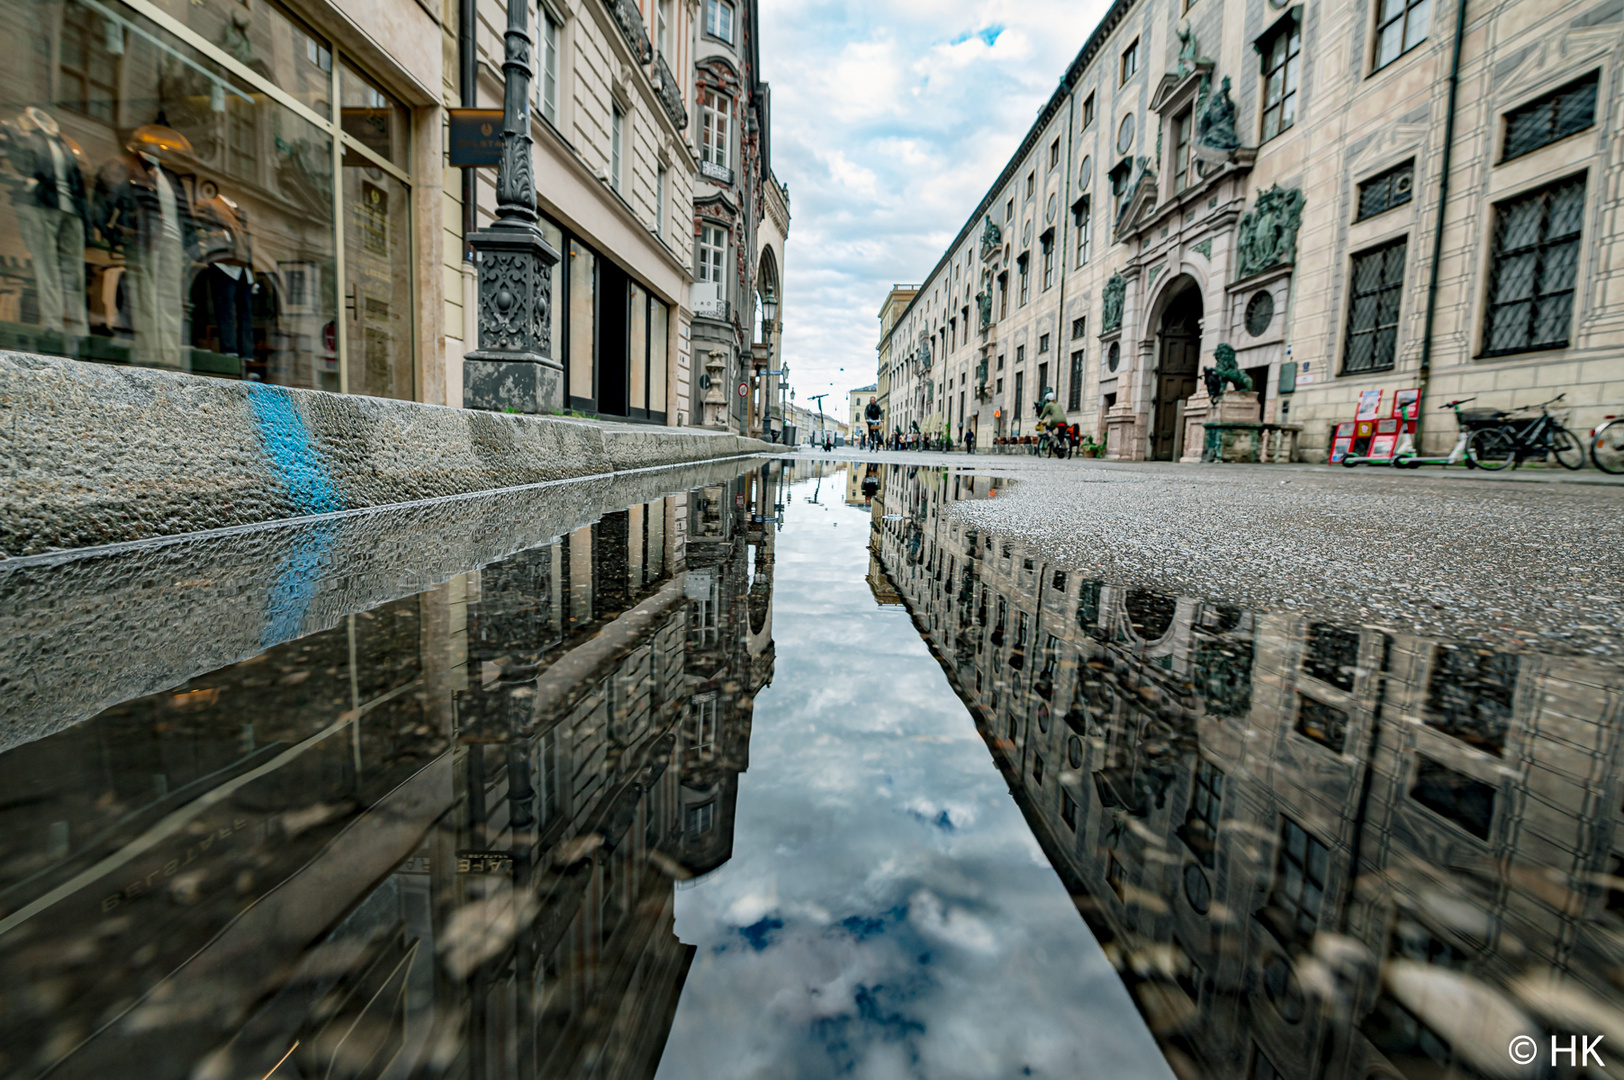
293 457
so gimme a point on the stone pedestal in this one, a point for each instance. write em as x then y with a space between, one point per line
1235 407
715 394
513 369
1124 434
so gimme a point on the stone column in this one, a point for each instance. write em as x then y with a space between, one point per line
715 396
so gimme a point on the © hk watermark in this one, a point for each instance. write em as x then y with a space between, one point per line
1579 1051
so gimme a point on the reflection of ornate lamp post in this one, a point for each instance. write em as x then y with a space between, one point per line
513 369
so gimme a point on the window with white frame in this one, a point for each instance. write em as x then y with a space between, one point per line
1083 229
662 27
715 122
617 143
1401 25
1282 64
712 252
719 19
547 85
659 201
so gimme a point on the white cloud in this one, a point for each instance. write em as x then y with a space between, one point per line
890 120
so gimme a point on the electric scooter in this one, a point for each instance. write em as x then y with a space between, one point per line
1404 457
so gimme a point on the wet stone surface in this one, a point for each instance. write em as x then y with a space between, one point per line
804 770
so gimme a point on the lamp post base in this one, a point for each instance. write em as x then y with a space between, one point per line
504 385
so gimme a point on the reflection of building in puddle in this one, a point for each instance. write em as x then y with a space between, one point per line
437 840
1310 850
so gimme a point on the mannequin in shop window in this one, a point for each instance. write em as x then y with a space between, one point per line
221 245
53 215
142 211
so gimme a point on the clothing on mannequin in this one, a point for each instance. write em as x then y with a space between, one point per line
53 216
143 212
221 241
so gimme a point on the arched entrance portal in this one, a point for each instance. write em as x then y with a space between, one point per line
1178 363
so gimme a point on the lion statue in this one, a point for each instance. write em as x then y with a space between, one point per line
1225 373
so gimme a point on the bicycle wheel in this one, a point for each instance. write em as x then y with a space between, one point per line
1566 448
1607 448
1492 448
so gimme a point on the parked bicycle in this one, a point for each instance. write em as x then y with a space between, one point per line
1607 445
1515 440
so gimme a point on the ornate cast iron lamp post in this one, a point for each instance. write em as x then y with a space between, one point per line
513 367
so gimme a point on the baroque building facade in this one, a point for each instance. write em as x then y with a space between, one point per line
1302 844
1367 202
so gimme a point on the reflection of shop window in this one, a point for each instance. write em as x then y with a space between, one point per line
374 219
1467 802
89 71
1324 724
1470 696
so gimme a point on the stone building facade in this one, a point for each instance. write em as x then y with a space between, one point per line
264 191
897 303
1364 201
1298 842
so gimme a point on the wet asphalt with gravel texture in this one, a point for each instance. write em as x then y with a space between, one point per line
1527 559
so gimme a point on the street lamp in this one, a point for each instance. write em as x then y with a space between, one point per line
769 315
512 368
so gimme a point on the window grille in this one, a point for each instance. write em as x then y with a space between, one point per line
1557 115
1079 326
1380 193
1282 63
1378 282
1535 261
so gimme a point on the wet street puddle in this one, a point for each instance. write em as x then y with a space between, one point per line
792 773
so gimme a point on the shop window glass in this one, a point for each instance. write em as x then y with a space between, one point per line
162 211
637 347
658 354
373 118
377 281
266 40
583 272
555 337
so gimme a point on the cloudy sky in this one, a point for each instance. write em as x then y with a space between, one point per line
887 911
890 120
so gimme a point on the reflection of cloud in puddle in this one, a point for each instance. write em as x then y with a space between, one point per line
948 924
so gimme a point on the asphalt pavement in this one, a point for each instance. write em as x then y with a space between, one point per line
1524 559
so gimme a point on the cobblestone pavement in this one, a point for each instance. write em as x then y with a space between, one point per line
1524 559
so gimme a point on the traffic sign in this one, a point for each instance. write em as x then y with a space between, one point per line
744 389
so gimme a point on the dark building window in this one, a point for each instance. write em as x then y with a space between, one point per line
1120 177
1467 802
1068 810
1299 883
1322 723
1130 60
1037 769
1282 64
1074 392
1079 327
1116 877
1200 832
1395 187
1536 257
1333 654
1401 25
1470 696
1563 112
1378 282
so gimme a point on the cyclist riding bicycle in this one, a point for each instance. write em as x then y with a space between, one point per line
873 414
1051 421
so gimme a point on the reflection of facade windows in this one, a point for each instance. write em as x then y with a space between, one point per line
1068 810
1116 876
1200 830
1451 794
89 71
701 819
1332 655
1325 724
1470 696
1299 883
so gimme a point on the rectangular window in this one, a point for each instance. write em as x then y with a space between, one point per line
1299 882
1054 155
1043 382
1037 769
1009 211
1079 327
1382 192
1535 261
1200 830
1088 110
89 71
715 114
547 85
1003 294
1120 175
617 142
662 27
1031 188
1378 281
1115 876
1020 354
1324 724
1083 229
1130 60
1281 66
1068 810
1183 125
1043 343
1074 384
712 252
1046 241
1470 695
1401 25
1020 392
1562 112
1023 264
1467 802
719 19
